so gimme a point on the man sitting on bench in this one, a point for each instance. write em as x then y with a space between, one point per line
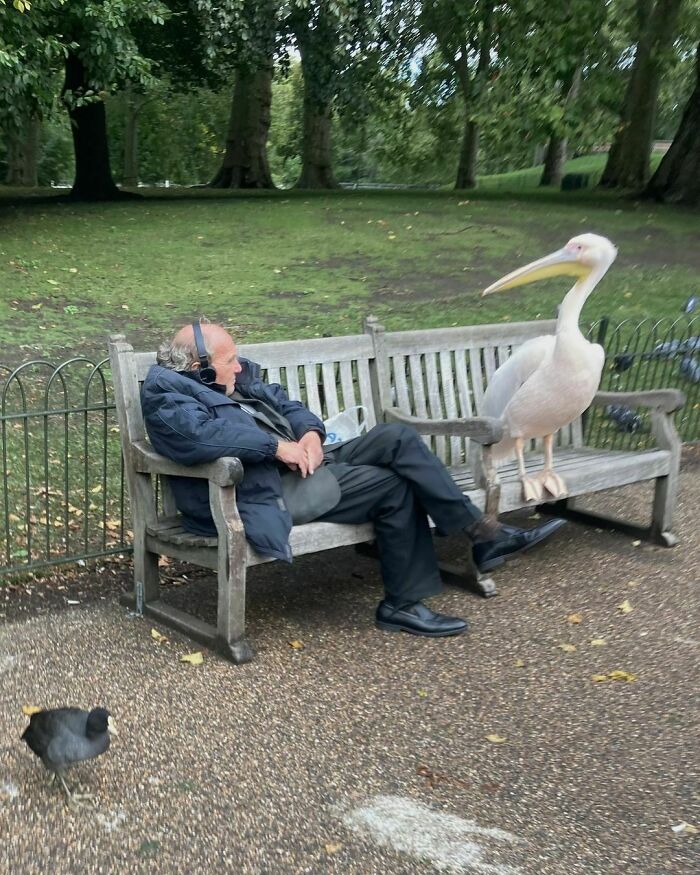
200 402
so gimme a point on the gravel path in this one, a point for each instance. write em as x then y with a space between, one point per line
365 752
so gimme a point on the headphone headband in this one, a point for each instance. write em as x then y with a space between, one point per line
207 374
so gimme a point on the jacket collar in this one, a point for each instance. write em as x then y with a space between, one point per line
189 383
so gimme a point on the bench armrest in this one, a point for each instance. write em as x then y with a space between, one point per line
666 400
482 429
227 471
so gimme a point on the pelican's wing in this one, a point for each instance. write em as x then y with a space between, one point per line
514 372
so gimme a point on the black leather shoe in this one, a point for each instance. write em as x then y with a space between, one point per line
417 619
491 554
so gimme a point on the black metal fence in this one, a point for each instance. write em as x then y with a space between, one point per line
647 354
63 496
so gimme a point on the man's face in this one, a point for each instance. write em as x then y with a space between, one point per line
224 359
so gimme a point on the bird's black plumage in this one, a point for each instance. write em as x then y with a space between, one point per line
61 737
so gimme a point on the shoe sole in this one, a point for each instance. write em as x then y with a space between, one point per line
501 560
392 627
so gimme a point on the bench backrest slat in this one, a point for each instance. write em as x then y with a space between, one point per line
443 373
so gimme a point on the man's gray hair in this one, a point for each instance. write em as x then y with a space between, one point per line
182 356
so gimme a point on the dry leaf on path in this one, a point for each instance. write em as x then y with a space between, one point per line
520 663
574 618
616 675
685 828
597 642
422 693
495 739
333 847
297 645
30 709
158 636
619 675
567 648
625 607
193 658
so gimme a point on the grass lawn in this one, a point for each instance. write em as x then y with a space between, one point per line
291 265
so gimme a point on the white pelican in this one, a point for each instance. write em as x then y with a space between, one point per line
549 380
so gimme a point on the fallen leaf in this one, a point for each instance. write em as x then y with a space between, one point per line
422 693
615 675
567 648
30 709
619 675
193 658
333 847
158 636
52 282
495 739
632 583
520 663
636 543
97 488
574 618
597 642
625 607
297 645
685 828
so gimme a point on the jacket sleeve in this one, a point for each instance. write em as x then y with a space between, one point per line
299 417
183 429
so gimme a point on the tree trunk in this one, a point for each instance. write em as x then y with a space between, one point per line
245 162
471 89
555 156
628 162
677 178
130 175
23 154
93 174
316 40
316 152
466 169
554 161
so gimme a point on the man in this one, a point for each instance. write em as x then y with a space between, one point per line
200 402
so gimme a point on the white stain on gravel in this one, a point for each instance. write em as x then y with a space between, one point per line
6 662
9 790
446 841
111 820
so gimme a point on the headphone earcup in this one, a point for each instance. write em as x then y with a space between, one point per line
207 376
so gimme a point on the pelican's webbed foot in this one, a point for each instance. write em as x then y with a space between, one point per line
532 488
553 483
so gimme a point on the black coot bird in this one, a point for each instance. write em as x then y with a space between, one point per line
61 737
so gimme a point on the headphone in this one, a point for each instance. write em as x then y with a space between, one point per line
207 374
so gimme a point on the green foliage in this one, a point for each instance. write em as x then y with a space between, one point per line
179 135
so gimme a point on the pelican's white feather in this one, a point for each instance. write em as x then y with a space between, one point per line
508 379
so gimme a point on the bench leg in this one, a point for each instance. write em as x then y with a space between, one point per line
231 574
468 576
146 575
665 494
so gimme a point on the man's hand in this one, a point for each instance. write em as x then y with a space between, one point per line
311 443
294 456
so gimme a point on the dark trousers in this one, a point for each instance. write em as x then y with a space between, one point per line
390 478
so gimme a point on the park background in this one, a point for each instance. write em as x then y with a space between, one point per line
289 168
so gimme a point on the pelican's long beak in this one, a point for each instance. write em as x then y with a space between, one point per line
111 728
559 263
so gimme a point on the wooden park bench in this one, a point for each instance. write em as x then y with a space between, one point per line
432 380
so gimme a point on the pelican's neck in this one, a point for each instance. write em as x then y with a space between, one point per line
571 306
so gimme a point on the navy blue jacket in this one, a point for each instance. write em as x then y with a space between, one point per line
191 423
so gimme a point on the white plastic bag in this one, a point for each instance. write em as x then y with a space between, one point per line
346 425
